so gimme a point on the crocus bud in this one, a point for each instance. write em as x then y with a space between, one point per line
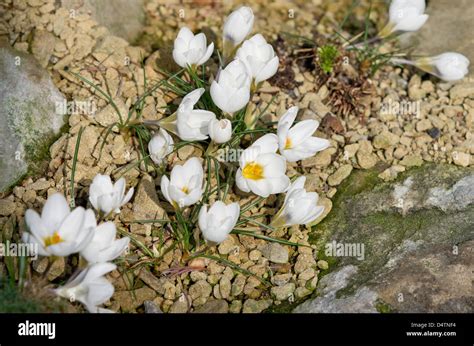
448 66
193 124
219 221
220 131
190 49
160 145
405 15
259 58
231 91
299 208
238 25
184 187
106 196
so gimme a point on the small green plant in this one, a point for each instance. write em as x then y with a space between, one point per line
327 57
13 301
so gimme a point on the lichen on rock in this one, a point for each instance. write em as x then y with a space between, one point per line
422 222
28 118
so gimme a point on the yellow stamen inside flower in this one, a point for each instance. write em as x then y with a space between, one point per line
185 189
288 143
52 240
253 171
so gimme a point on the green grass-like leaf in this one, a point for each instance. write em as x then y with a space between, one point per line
73 169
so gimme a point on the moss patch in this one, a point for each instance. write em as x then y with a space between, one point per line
14 301
361 215
29 129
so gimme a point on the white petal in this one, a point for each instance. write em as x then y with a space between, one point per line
165 184
203 217
218 95
301 131
267 143
185 34
280 184
72 225
55 210
289 117
268 71
128 196
237 100
411 23
241 181
274 164
179 58
36 226
207 55
261 187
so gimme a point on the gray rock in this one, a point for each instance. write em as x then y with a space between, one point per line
402 246
131 300
123 18
458 197
252 306
28 118
275 253
214 306
146 205
283 292
361 301
180 306
7 207
151 307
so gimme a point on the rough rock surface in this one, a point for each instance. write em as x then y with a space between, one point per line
418 238
28 118
123 18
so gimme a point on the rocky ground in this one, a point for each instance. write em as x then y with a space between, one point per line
431 143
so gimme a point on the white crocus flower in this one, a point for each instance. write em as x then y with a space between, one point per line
59 231
238 25
217 222
184 187
191 50
106 196
448 66
220 131
193 124
405 16
296 143
90 287
231 91
160 145
299 208
103 247
262 171
259 58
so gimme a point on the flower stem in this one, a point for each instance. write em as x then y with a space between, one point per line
375 39
400 61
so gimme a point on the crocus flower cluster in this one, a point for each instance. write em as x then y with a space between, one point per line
60 232
262 165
